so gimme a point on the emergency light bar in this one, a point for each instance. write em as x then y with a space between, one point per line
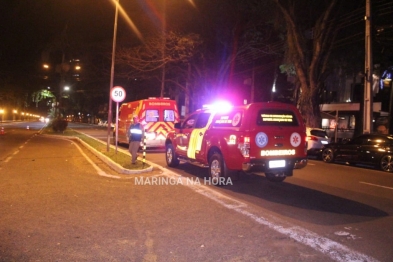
166 98
219 106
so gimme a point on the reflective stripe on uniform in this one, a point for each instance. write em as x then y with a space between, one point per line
136 131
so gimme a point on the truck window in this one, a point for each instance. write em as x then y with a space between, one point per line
152 115
202 120
190 122
231 119
169 115
277 117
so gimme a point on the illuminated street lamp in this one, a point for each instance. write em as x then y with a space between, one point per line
1 113
14 113
46 70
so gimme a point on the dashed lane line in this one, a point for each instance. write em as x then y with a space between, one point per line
370 184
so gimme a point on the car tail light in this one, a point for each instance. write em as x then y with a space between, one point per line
305 144
312 138
244 146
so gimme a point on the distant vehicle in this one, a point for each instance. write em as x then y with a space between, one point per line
370 149
316 139
105 123
258 137
157 116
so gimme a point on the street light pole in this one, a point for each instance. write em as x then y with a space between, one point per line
112 76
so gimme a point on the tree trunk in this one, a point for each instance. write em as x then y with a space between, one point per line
187 92
309 107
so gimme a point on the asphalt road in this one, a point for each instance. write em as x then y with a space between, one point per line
58 202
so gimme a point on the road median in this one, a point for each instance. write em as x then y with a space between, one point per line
119 160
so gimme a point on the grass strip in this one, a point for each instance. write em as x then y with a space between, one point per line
118 157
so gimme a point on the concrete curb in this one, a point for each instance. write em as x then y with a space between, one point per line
115 166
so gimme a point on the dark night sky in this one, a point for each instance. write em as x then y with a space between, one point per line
28 26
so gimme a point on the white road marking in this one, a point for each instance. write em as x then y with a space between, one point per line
101 137
334 250
346 234
391 188
99 170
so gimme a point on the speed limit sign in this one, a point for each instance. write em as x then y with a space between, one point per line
118 94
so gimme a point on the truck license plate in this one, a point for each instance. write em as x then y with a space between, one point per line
276 163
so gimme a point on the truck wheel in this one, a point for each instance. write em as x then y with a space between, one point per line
218 171
328 155
387 163
275 177
170 156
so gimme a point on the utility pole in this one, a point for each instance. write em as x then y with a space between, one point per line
368 78
63 69
109 129
163 50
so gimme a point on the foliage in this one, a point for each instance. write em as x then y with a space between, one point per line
11 95
59 125
173 54
142 60
309 54
40 95
225 40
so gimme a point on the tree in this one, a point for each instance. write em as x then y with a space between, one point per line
309 59
146 61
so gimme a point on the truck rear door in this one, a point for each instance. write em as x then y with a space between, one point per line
278 135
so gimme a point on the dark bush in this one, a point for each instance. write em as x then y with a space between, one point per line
59 125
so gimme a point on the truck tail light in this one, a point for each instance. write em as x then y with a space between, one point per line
244 146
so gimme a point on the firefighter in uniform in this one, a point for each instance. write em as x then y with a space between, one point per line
136 134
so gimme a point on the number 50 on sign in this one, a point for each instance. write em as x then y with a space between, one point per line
118 94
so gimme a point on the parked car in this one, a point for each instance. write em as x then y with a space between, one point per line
369 149
316 139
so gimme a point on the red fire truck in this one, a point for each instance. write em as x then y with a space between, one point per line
157 116
259 137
